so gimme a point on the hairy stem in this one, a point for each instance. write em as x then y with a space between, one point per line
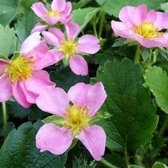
107 164
126 155
5 127
137 55
102 18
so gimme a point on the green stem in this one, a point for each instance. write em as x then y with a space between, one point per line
5 127
94 29
164 126
126 156
137 55
102 18
107 164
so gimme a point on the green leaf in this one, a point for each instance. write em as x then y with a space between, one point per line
55 120
65 78
24 26
83 16
80 4
145 52
35 113
114 139
133 115
164 6
135 166
113 7
7 14
157 81
12 9
19 151
16 110
7 41
159 165
82 163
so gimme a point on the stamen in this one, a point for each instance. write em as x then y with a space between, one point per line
52 13
68 47
20 69
147 30
77 118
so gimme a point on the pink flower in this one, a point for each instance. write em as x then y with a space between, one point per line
77 108
143 26
60 11
39 28
70 49
22 77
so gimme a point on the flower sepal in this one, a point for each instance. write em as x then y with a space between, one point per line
66 60
54 119
101 115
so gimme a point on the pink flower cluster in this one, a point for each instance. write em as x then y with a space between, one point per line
69 48
24 79
142 26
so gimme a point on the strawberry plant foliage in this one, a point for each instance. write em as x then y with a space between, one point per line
19 151
108 5
157 81
133 115
8 41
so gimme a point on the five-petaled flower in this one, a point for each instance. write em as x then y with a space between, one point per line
142 26
60 12
22 77
71 49
78 108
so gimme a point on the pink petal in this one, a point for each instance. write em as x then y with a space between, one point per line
41 56
78 65
88 44
94 139
57 55
121 29
95 98
19 95
67 19
3 64
161 20
38 28
78 94
151 16
150 43
58 5
72 30
89 96
51 20
67 9
126 14
57 33
30 96
39 9
53 100
53 139
164 40
30 43
39 80
139 14
50 38
5 88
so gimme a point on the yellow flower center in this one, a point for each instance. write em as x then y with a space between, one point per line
77 118
20 69
147 30
52 13
68 47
